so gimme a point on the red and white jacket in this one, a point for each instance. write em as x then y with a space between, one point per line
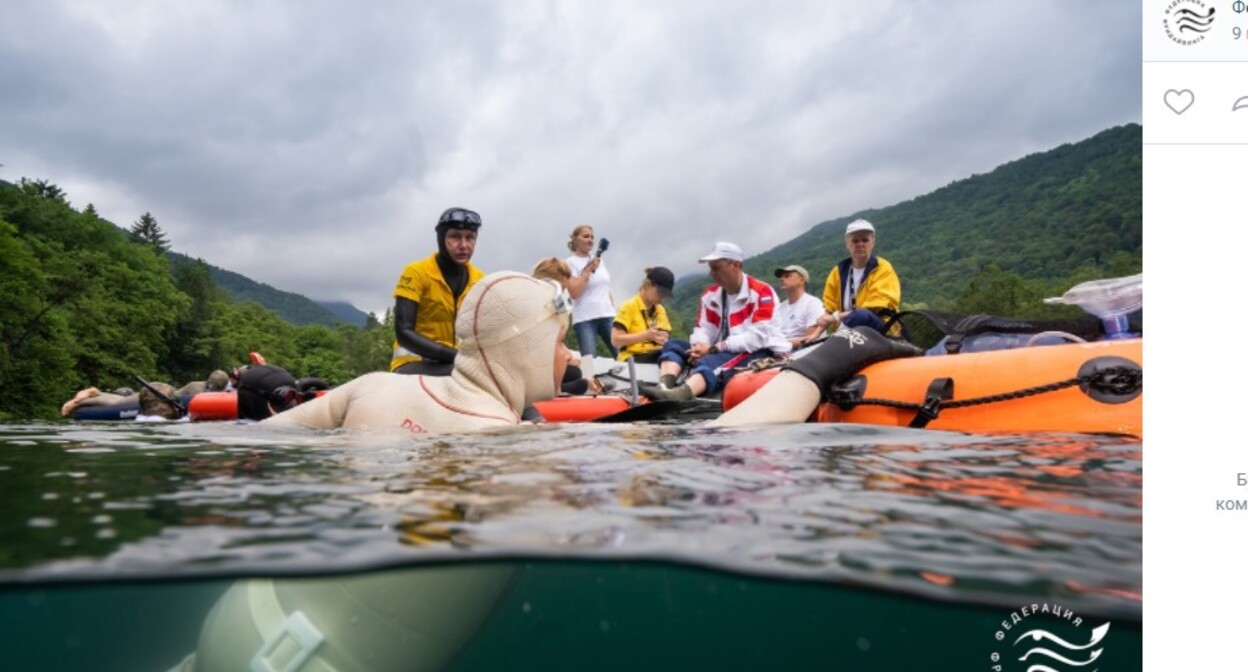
749 314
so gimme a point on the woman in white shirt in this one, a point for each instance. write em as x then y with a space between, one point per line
593 308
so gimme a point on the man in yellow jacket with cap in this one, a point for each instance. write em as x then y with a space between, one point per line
863 289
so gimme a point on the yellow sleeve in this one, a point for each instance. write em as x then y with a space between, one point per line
412 283
621 318
884 290
832 291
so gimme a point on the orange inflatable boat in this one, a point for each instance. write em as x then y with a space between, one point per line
213 406
580 409
1059 388
209 406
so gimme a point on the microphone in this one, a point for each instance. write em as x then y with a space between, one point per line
603 244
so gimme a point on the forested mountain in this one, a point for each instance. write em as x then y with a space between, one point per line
345 312
294 308
995 242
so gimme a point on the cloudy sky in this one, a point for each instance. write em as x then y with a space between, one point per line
312 145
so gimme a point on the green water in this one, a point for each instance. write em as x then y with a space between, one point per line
570 615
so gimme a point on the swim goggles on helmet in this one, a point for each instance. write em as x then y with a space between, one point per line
460 218
560 304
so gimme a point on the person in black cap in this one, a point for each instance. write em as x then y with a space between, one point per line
428 296
641 326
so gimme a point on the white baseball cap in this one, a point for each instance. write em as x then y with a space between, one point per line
724 251
859 225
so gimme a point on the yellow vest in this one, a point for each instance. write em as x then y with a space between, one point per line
422 282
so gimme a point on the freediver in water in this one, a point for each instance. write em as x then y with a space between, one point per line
509 335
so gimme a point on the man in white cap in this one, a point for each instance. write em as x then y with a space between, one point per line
862 289
734 328
798 315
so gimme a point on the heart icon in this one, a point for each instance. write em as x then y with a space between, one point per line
1179 101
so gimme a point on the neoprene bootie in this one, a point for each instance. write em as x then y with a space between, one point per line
661 393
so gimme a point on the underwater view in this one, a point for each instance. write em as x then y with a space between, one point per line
811 546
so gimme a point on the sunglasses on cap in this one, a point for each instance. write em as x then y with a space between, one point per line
460 217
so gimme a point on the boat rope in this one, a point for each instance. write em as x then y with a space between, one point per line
1113 382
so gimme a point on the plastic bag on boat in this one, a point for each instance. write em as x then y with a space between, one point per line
1111 299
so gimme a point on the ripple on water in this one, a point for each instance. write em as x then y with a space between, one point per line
954 515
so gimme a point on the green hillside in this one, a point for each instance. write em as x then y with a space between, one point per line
294 308
86 303
1034 224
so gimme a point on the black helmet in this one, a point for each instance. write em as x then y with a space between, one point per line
459 218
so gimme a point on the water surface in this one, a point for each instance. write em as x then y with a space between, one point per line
811 516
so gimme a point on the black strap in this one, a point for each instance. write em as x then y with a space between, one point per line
938 390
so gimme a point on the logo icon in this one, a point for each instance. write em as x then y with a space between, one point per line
1187 21
1047 637
1179 101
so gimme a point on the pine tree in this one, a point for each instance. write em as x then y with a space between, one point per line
147 231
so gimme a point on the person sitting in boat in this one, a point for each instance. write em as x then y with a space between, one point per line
510 331
574 380
734 327
863 289
429 295
641 327
798 315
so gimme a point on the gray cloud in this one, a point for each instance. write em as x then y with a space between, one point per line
312 145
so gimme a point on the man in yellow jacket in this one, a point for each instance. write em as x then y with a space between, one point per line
862 289
428 296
